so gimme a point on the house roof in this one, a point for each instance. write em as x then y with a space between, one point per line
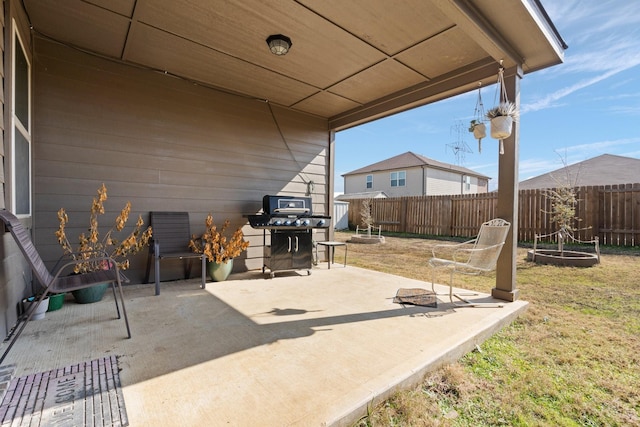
606 169
412 160
350 62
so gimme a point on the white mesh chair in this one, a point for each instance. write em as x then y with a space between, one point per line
473 257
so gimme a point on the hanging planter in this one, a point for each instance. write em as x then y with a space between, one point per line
479 131
503 115
477 127
501 127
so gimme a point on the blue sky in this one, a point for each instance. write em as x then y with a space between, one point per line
587 106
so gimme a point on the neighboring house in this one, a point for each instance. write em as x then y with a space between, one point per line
411 174
181 108
606 169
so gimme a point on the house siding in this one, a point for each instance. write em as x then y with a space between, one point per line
440 182
436 182
382 182
15 273
164 144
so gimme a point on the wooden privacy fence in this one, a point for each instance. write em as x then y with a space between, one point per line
611 212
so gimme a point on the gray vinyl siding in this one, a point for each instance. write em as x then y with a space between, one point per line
5 112
164 144
15 274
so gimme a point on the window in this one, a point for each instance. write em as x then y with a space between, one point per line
398 179
21 129
467 183
369 181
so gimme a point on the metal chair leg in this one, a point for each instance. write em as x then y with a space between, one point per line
204 271
124 310
30 313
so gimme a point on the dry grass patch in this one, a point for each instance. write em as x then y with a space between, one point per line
571 360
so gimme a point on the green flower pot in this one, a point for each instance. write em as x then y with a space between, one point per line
90 295
56 301
219 272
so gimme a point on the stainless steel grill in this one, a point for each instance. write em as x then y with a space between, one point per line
290 221
288 213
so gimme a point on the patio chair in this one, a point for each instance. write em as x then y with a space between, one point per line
62 280
171 235
473 257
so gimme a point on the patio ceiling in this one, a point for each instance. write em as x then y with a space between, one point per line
351 61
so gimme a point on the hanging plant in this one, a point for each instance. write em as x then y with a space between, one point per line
477 126
503 115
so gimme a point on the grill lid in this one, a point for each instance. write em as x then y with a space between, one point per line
286 205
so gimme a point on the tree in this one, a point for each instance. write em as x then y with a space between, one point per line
563 204
366 216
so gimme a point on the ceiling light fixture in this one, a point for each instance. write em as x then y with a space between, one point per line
279 44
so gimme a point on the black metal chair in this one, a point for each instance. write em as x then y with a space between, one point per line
171 235
61 280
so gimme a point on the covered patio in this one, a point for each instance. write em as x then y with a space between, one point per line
181 106
295 350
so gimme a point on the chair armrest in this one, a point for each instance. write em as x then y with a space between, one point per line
73 255
60 268
463 255
438 251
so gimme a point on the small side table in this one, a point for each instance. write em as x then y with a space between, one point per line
332 251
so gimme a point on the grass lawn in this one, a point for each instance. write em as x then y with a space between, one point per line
572 359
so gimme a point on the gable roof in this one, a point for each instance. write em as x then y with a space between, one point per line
412 160
606 169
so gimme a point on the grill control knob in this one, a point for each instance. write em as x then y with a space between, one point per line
297 223
277 222
287 222
306 222
320 222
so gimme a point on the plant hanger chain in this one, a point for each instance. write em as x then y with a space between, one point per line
501 90
478 113
501 97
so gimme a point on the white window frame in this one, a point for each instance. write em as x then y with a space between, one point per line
17 126
399 178
368 182
467 182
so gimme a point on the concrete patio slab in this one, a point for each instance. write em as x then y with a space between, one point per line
295 350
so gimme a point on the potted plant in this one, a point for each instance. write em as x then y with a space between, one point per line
478 129
477 126
502 117
40 309
90 245
56 301
219 250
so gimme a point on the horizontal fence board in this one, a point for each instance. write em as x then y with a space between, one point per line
611 212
